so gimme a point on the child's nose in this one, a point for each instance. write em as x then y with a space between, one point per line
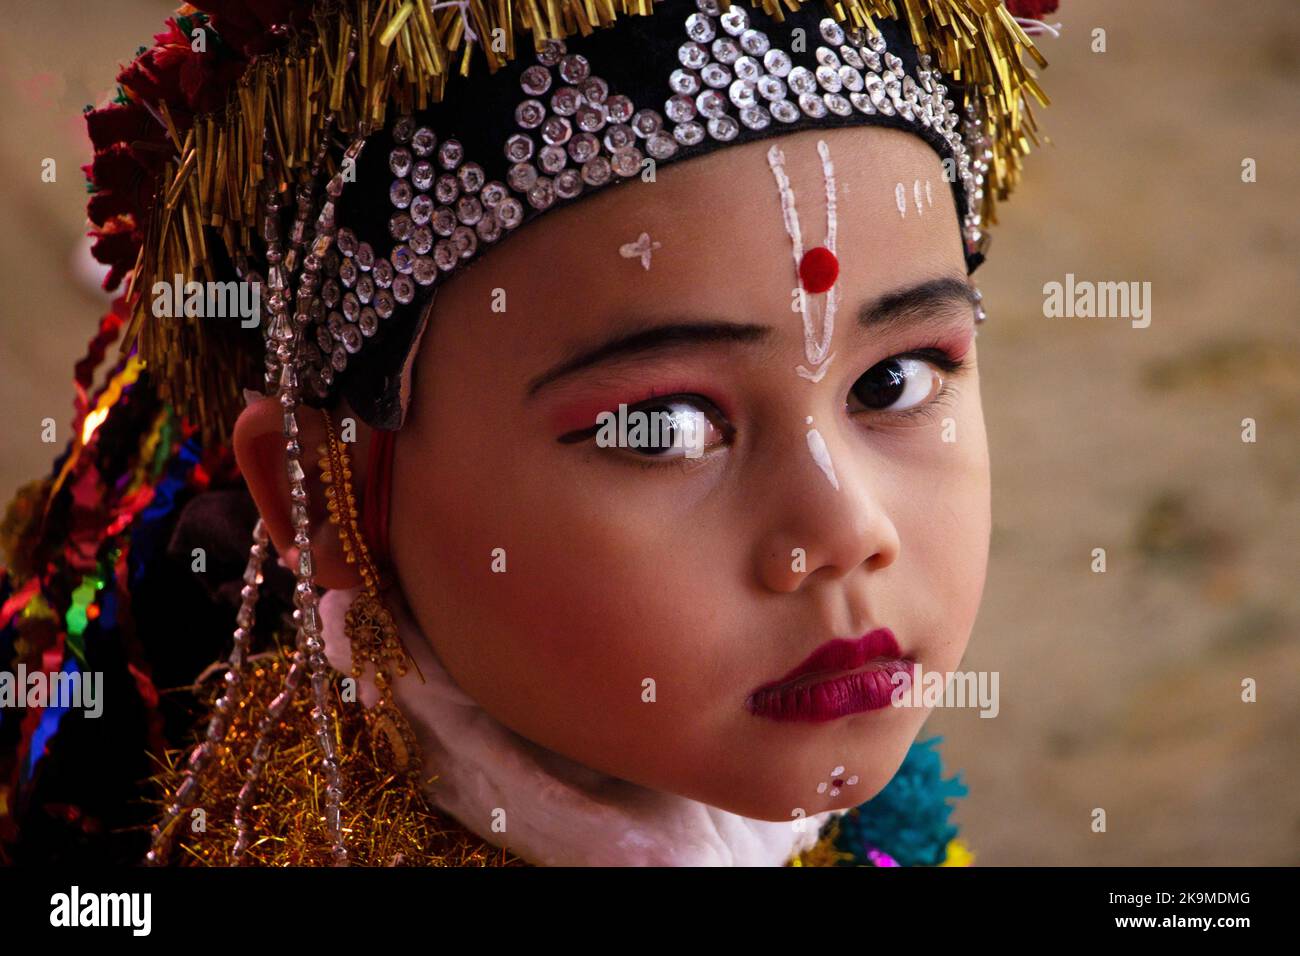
824 511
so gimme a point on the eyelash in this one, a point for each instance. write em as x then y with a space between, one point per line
927 413
936 355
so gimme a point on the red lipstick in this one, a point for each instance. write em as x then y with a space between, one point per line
844 676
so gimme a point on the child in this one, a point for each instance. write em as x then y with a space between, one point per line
626 538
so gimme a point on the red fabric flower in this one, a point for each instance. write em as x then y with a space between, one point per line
1032 9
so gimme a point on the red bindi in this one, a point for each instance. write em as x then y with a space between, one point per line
818 269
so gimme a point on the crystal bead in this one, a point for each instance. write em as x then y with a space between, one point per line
383 273
522 176
747 68
421 240
445 255
551 52
755 117
726 50
399 161
565 101
403 260
557 130
519 148
741 94
801 80
385 303
700 28
535 80
567 183
660 145
425 271
530 113
400 193
831 31
446 189
594 90
541 195
399 224
684 82
347 241
735 21
444 221
716 76
618 109
465 240
365 289
589 119
402 129
582 148
596 172
471 177
509 212
778 62
692 55
423 141
368 321
688 134
552 159
723 128
421 210
574 68
403 290
422 175
755 42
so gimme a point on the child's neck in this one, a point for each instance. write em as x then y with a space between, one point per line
542 806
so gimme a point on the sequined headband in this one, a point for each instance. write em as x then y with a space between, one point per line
574 131
425 173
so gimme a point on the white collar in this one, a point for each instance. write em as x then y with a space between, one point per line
557 812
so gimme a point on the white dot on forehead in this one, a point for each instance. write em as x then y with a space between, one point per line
808 420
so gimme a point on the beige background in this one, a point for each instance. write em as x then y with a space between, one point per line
1118 690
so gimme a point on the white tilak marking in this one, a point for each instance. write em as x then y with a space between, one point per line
929 198
822 456
816 350
900 200
642 248
916 195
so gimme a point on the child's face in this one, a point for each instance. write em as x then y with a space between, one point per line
623 568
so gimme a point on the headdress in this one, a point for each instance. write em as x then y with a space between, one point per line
345 158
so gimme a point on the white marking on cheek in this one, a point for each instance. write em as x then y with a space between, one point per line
916 195
821 455
900 199
929 197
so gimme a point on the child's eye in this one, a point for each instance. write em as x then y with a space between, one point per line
899 383
672 427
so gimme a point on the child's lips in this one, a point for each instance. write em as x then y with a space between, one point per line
838 656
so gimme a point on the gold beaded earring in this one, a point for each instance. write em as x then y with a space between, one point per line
369 625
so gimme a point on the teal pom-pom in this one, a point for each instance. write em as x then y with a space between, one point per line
909 818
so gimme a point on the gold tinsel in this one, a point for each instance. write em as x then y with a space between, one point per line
404 54
387 817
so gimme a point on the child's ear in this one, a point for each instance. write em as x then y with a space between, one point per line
259 448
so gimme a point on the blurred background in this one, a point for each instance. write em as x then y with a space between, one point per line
1119 690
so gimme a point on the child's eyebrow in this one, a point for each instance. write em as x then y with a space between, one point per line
916 303
656 339
905 306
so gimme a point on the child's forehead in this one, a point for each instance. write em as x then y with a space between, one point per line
713 228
